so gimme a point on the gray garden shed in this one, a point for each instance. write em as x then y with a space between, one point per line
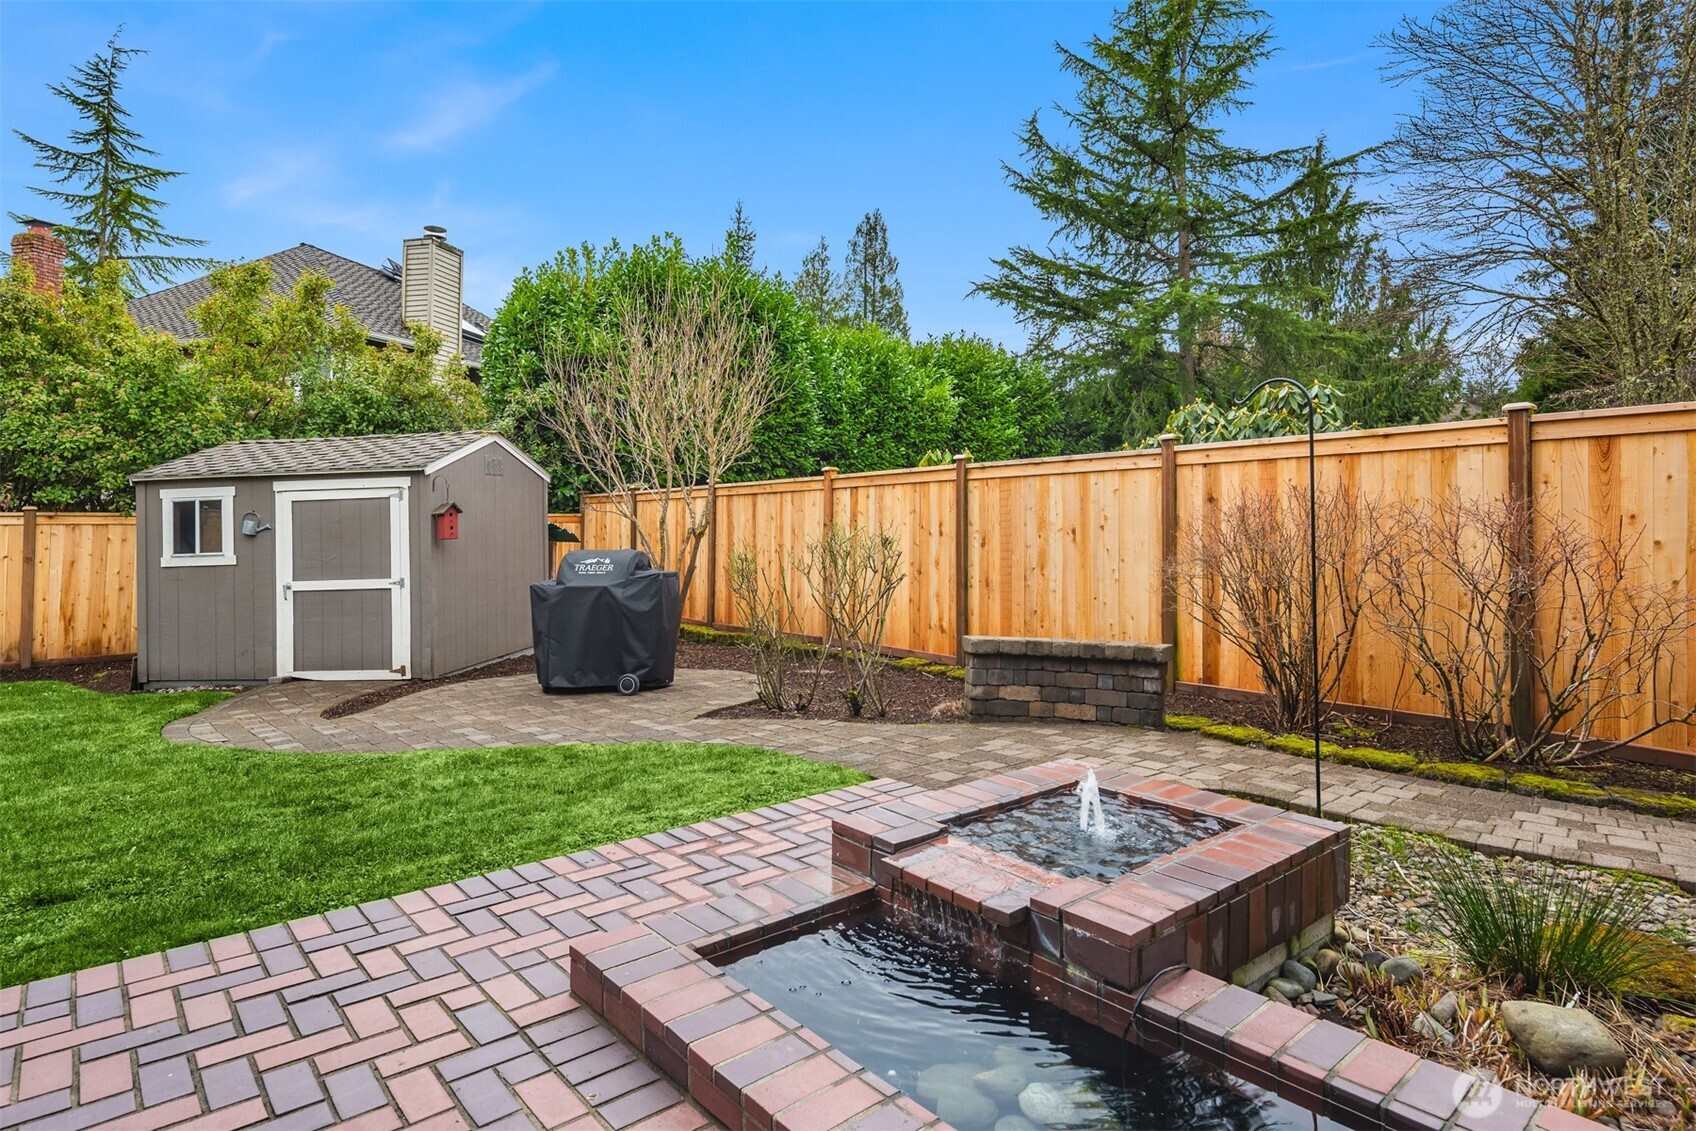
356 557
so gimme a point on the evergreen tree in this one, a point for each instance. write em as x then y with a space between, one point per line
1159 221
872 293
817 286
739 239
110 194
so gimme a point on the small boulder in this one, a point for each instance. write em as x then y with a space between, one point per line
1014 1123
1446 1010
1046 1106
966 1108
1402 970
1428 1026
1003 1083
938 1077
1285 986
1374 958
1325 961
1299 974
1557 1039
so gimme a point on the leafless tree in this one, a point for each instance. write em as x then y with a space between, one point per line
669 409
1547 179
1244 572
784 680
853 574
1470 583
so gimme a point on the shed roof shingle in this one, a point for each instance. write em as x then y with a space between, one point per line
371 293
263 458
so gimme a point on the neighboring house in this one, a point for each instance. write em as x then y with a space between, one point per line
426 286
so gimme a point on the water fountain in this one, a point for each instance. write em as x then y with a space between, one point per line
1089 802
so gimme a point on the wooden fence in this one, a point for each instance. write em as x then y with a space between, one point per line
573 525
67 587
1076 547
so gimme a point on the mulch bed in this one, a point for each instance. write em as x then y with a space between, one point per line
911 696
98 675
1427 743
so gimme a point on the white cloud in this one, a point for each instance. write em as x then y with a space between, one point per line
464 105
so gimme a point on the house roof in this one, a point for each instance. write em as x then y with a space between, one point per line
371 293
248 459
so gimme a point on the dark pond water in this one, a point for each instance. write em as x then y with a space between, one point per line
1045 832
984 1055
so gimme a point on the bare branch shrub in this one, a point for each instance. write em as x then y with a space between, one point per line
1601 650
853 574
1244 573
669 406
785 682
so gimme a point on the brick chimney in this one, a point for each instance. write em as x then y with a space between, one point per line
44 252
431 286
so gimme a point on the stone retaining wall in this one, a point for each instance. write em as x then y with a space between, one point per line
1094 681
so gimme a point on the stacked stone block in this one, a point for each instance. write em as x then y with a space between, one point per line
1094 681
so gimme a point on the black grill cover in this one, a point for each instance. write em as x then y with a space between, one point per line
607 614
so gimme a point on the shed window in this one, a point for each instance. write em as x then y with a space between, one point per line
198 526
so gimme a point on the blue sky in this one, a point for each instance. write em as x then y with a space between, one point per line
527 128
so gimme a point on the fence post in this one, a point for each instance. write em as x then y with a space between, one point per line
26 594
1169 550
962 556
712 555
1522 611
636 527
828 518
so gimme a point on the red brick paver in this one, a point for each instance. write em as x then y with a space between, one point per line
446 1009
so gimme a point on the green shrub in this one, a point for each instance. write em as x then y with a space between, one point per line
1540 926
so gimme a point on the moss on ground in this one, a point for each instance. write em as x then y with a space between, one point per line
1460 773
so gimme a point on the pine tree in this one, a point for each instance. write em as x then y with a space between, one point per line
871 290
110 199
739 239
1159 221
817 286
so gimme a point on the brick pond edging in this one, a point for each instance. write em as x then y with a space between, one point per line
1082 680
752 1066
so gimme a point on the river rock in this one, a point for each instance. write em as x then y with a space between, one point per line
1446 1010
1288 988
1428 1026
1012 1054
938 1077
1322 999
1557 1039
1374 958
1325 961
1402 970
1274 994
965 1107
1004 1083
1046 1106
1014 1123
1299 974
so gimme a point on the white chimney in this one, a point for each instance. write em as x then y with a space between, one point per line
432 275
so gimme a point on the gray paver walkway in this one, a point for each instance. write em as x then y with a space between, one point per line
513 711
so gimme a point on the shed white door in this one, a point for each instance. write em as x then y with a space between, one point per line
342 604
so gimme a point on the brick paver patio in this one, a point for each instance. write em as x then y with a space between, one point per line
445 1008
512 710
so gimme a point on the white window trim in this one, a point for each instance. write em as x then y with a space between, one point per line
226 496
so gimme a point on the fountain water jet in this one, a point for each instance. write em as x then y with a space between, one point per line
1091 817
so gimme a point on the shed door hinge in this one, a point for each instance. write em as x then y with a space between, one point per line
400 583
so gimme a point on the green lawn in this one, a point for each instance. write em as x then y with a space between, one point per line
115 842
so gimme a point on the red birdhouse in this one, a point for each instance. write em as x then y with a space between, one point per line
447 521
